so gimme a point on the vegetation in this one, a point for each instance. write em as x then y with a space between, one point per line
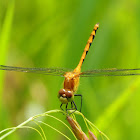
54 34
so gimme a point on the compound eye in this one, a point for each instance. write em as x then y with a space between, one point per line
61 92
69 94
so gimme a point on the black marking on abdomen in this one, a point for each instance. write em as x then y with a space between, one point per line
90 44
83 60
95 30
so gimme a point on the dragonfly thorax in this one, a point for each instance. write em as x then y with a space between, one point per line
65 96
71 81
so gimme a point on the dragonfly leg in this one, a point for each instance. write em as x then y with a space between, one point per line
61 106
75 107
66 106
81 100
71 105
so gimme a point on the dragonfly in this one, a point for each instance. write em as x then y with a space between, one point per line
71 77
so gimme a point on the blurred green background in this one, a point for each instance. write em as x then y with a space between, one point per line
54 33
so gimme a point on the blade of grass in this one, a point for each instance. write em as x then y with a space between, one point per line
111 112
25 122
55 129
4 41
43 133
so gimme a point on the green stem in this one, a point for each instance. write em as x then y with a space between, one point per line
15 128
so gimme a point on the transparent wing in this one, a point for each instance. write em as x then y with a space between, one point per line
111 72
46 71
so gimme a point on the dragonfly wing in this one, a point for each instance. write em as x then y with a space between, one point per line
45 71
111 72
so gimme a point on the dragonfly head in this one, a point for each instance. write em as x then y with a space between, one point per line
65 95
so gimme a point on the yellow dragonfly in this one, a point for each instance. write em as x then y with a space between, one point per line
71 81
